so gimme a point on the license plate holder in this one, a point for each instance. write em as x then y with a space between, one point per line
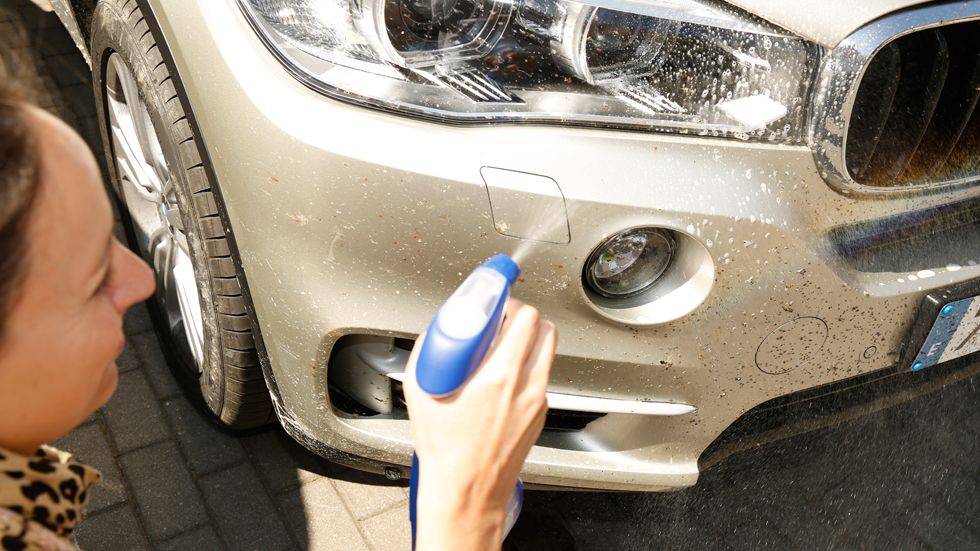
947 328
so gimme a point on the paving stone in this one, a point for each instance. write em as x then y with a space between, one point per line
128 360
91 447
155 365
45 14
318 519
858 533
93 137
138 318
166 496
243 513
752 533
206 448
368 494
67 69
111 530
593 521
94 417
935 528
390 530
204 539
133 414
79 99
539 529
53 41
89 123
281 462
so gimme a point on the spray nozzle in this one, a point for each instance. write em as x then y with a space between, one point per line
464 327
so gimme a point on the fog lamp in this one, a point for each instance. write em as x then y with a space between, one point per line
630 262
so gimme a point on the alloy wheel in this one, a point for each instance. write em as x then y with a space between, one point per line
151 199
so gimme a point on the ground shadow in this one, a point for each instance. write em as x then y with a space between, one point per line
906 477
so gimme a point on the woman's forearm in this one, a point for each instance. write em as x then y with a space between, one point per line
457 515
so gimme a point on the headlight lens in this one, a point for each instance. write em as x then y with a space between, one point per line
677 65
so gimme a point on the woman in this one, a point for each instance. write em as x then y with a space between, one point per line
65 283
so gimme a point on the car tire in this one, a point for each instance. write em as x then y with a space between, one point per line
212 349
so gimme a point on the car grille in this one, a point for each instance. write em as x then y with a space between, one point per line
915 119
894 107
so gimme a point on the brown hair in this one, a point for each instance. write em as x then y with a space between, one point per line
19 182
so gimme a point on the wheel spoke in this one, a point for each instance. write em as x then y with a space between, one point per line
174 217
122 131
136 126
122 160
161 247
143 128
189 302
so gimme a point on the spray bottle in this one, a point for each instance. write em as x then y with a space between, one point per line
456 342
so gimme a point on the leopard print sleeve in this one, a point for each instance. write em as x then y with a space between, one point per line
19 534
42 497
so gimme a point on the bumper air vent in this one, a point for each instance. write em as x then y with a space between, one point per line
365 374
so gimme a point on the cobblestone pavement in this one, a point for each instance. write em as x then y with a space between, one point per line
905 478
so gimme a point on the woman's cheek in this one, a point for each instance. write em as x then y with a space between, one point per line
105 343
106 339
115 336
105 390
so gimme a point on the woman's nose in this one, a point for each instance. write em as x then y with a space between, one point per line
136 279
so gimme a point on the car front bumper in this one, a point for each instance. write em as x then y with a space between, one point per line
350 221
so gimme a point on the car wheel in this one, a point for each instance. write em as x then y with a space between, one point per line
170 210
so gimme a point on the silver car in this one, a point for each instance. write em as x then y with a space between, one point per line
740 215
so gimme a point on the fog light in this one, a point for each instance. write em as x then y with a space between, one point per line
629 263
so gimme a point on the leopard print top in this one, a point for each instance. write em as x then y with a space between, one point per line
41 499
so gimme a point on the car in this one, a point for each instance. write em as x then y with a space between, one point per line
746 218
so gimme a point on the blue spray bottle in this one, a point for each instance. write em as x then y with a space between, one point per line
456 342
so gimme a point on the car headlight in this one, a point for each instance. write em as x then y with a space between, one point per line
677 65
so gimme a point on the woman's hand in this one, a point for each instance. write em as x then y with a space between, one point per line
471 446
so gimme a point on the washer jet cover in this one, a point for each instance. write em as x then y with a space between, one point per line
791 345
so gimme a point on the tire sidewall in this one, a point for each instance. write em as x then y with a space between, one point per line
114 31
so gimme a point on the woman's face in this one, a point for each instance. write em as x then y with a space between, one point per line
64 328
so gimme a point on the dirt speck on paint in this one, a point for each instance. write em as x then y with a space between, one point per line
299 219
